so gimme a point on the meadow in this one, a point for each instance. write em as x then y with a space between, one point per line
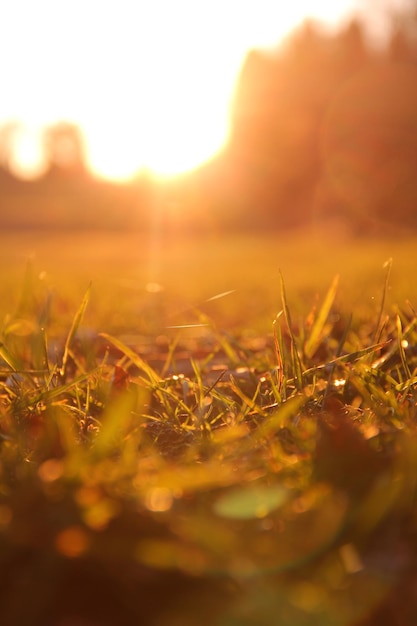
216 430
128 268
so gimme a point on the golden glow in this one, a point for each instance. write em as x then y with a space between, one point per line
72 542
28 160
148 82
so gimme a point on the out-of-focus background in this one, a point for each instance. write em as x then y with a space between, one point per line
173 151
209 116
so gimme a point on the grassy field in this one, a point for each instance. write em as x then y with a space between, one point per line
214 432
123 268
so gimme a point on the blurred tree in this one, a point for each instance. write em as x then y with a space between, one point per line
8 133
322 125
370 146
279 106
402 46
353 52
64 149
399 47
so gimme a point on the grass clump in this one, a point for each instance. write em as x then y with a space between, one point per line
233 480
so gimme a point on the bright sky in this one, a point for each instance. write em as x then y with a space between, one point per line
148 81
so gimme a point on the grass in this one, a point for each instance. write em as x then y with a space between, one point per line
170 457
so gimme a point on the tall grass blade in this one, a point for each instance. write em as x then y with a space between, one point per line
389 353
250 402
55 392
134 358
169 361
278 354
295 357
347 358
14 363
280 416
338 354
316 334
74 328
115 423
401 340
40 350
379 324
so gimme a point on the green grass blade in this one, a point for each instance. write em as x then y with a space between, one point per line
379 324
316 334
295 357
115 423
250 402
403 357
74 328
55 392
169 361
280 416
11 361
408 330
347 358
134 358
278 353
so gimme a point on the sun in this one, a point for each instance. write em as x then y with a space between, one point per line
171 111
149 83
171 118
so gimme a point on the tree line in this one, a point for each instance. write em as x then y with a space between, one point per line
323 131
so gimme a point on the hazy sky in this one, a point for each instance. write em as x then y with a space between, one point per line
149 82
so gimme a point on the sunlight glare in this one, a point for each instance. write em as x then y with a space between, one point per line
150 84
27 160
